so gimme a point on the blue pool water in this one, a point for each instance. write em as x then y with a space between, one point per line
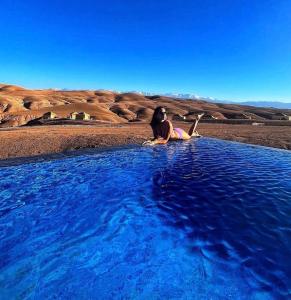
204 219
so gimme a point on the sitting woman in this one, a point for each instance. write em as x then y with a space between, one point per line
163 129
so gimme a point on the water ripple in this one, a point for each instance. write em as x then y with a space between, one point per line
203 219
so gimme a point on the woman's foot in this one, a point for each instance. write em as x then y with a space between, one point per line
199 116
196 134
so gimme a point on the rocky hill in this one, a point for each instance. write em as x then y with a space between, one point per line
18 106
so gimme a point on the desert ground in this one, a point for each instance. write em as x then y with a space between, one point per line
42 140
116 119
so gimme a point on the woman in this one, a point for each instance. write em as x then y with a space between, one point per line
163 129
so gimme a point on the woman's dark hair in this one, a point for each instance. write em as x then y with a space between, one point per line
158 116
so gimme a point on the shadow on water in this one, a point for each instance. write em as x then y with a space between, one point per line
233 203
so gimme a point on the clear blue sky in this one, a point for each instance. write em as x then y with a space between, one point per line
228 49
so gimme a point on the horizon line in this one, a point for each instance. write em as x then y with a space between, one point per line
168 94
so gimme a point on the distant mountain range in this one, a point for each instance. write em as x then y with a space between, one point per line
282 105
265 104
271 104
19 106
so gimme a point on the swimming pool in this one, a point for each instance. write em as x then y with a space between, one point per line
204 219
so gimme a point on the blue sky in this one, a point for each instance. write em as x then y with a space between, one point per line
227 49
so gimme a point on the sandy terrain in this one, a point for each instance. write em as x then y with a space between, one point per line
40 140
18 106
271 136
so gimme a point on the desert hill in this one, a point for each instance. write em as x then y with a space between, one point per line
18 106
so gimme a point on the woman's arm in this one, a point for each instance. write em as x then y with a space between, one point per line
162 140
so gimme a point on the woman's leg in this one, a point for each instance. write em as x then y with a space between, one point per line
180 134
192 130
